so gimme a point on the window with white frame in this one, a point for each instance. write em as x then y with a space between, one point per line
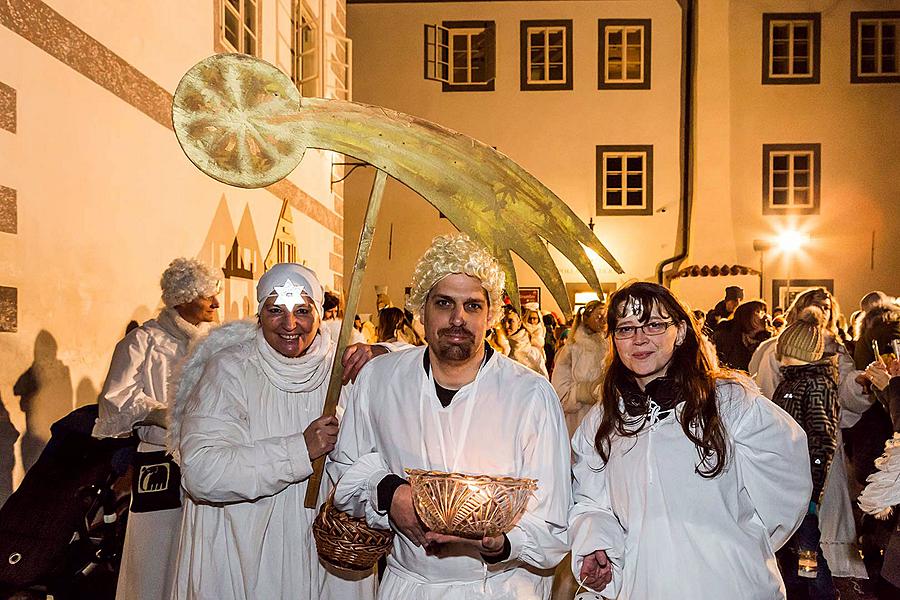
875 47
625 180
791 48
791 176
545 55
461 55
624 50
238 26
305 51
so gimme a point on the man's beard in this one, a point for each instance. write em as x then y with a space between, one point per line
455 351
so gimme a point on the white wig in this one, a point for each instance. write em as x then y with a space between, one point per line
186 279
456 253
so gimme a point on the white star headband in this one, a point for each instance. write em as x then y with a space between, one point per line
289 294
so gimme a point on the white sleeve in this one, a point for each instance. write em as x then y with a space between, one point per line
756 358
772 458
592 524
355 467
123 401
768 376
852 397
539 538
220 462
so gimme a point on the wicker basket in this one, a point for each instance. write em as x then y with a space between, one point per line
348 542
470 506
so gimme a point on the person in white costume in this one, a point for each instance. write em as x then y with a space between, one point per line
580 364
686 479
246 427
135 396
455 406
526 343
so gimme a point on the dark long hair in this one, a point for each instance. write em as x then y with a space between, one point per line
743 314
694 371
389 320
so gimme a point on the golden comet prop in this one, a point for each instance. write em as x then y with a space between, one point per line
242 121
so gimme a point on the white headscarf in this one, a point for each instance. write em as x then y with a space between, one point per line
299 275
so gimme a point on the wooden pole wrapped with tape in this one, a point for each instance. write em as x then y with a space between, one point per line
242 121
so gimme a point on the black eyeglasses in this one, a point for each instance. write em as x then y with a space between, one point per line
652 328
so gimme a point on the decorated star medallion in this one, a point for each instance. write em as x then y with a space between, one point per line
289 295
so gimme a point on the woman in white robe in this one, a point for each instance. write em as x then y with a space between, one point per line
659 515
135 398
523 347
246 427
580 364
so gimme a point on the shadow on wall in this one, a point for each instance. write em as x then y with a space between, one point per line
85 393
8 436
45 392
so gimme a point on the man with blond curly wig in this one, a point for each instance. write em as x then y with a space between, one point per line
455 406
135 397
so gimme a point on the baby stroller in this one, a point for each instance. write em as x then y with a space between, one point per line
62 530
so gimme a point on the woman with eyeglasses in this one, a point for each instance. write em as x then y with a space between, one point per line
686 479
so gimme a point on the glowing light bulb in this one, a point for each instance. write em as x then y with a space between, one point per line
791 241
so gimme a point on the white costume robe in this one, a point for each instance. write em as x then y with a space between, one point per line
577 372
506 422
141 366
524 349
246 534
671 534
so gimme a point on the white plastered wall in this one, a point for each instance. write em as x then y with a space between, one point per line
106 198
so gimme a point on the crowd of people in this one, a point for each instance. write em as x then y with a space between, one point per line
678 454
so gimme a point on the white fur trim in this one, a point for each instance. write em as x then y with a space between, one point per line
185 380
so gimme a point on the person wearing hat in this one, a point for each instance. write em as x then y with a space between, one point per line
455 406
135 398
246 427
809 393
724 308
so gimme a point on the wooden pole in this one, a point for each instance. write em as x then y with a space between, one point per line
337 370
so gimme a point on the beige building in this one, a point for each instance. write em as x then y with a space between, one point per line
96 196
793 126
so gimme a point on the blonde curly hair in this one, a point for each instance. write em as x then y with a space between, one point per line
186 279
456 253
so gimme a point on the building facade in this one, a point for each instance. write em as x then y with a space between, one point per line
792 114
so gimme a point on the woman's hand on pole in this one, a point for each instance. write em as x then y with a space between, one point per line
320 436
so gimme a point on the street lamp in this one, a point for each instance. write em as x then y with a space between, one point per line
761 246
788 243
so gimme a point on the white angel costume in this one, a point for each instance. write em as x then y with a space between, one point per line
524 349
672 534
507 422
578 371
238 428
136 384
